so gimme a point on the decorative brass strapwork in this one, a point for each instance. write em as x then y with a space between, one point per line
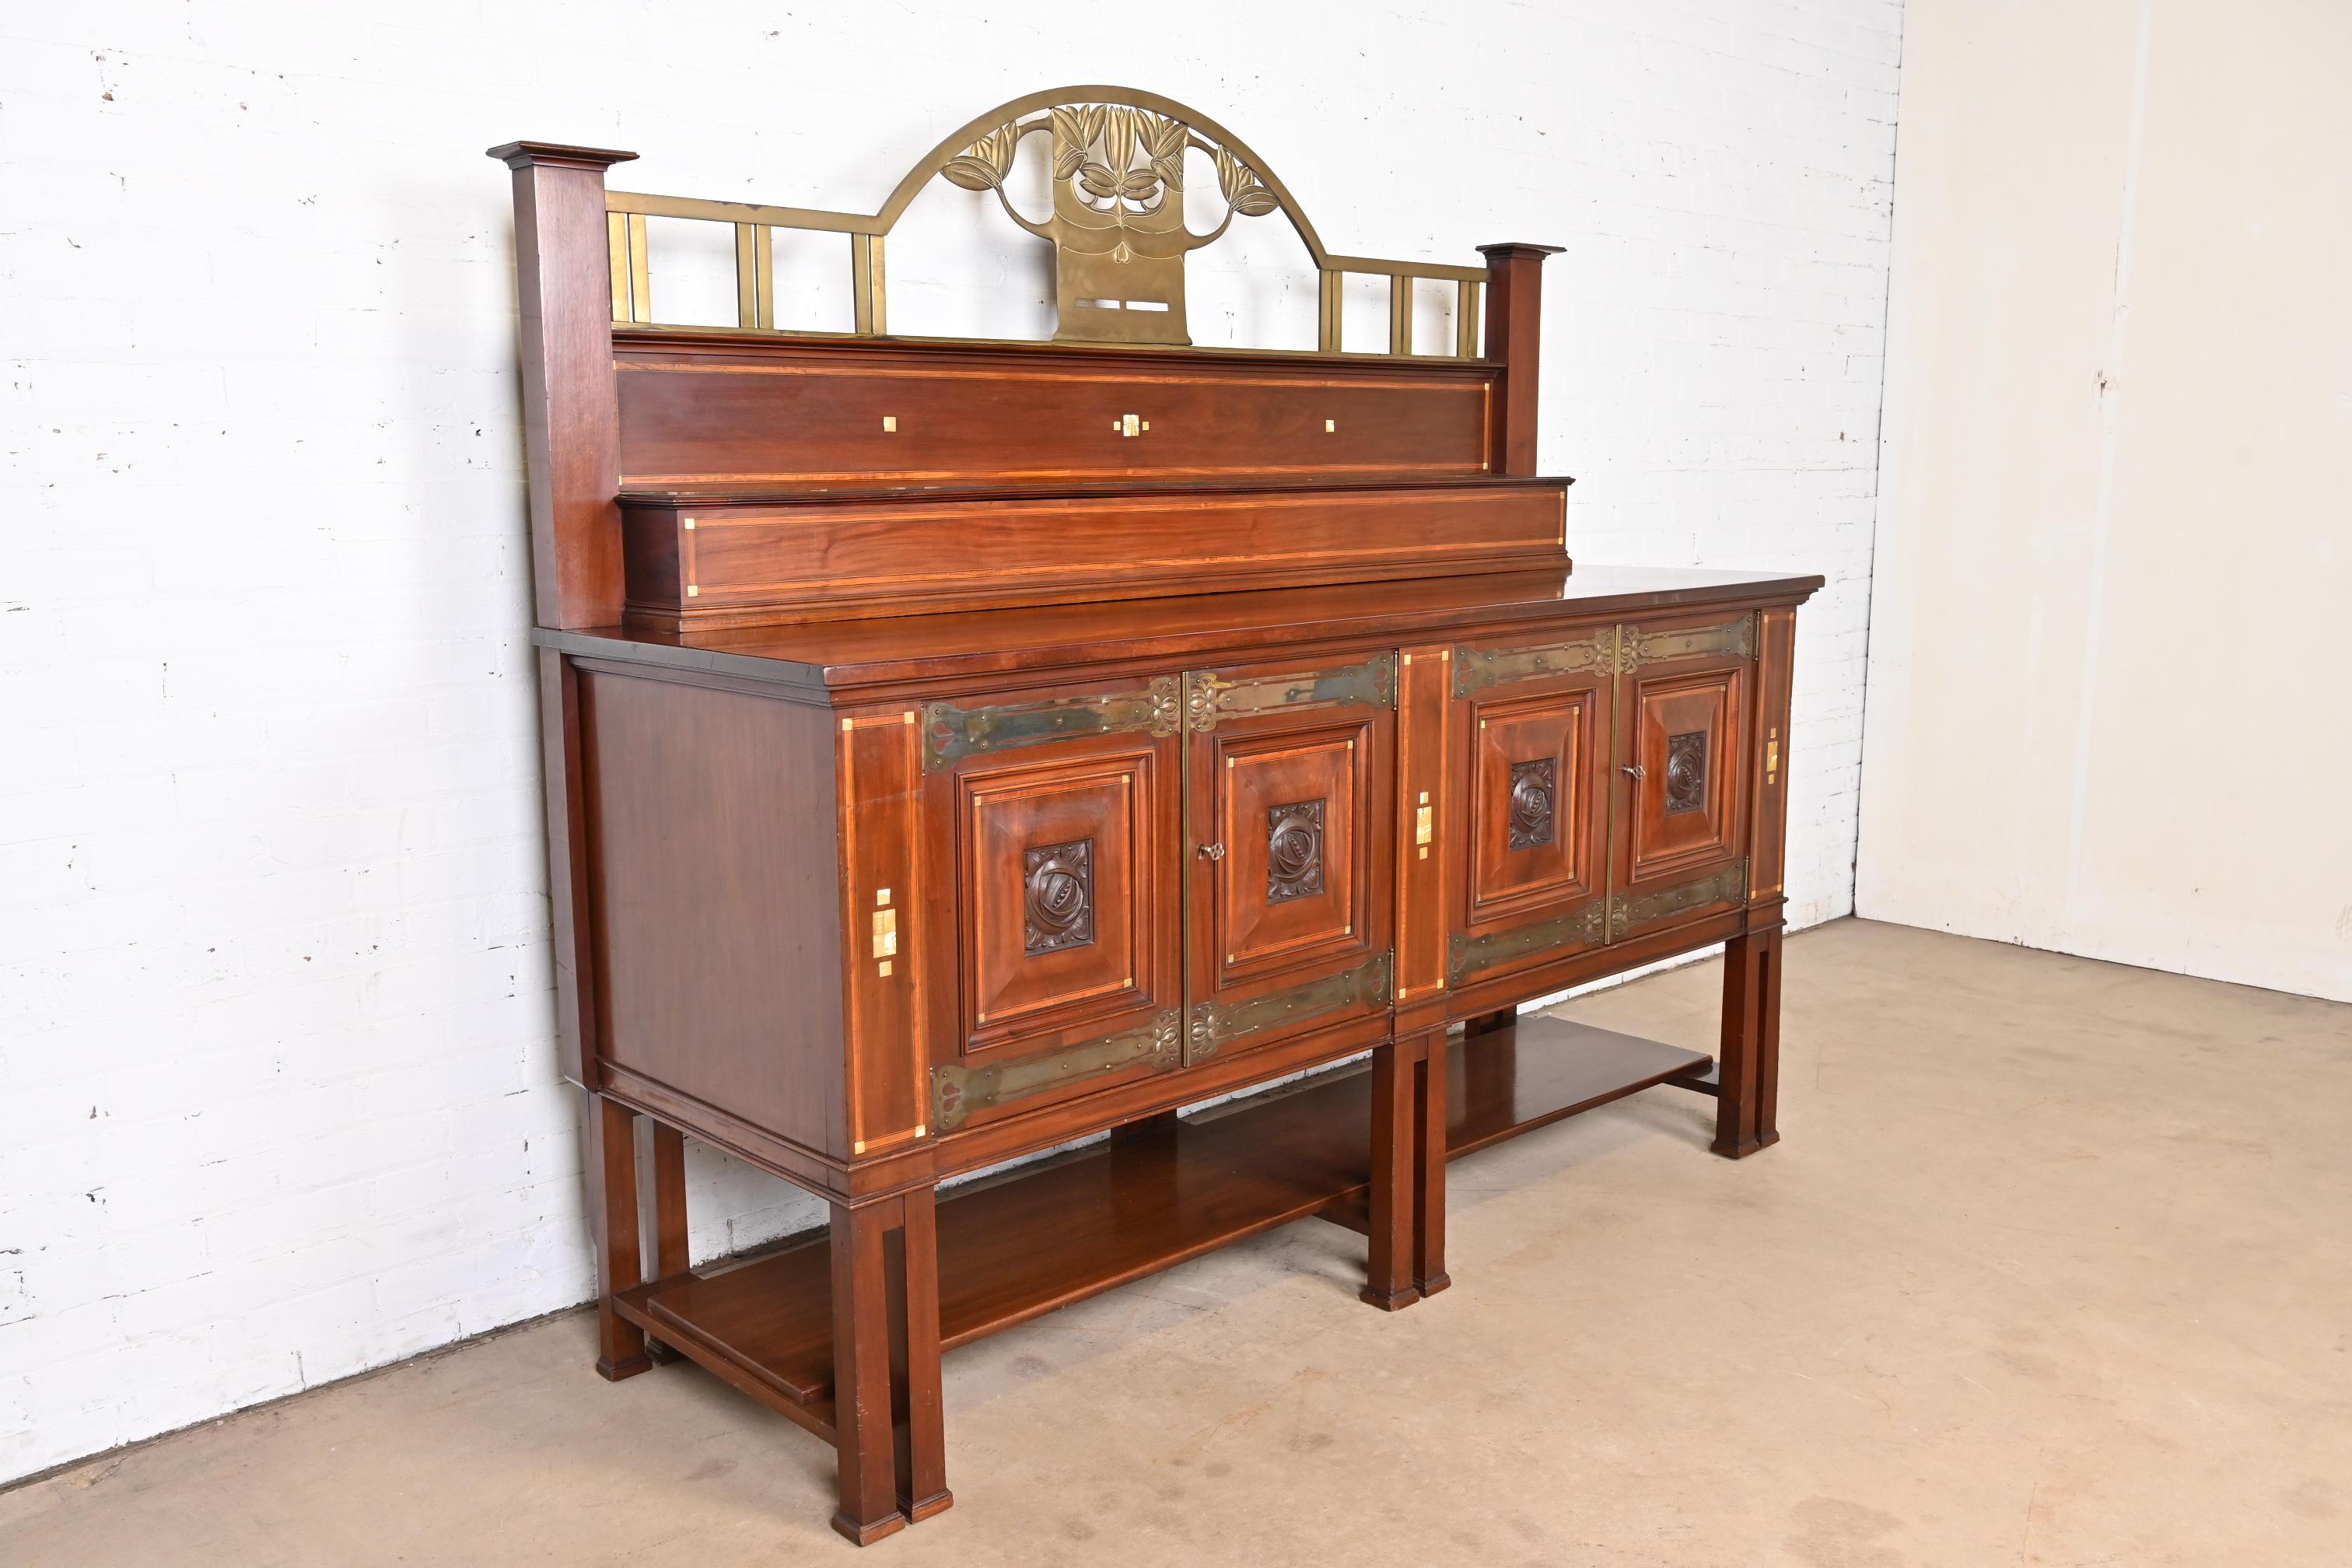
1580 927
1210 697
1117 173
952 734
1216 1025
1476 669
1607 650
957 1090
1636 647
1627 911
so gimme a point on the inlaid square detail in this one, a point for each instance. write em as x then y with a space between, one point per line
1535 797
1058 896
1294 850
1686 772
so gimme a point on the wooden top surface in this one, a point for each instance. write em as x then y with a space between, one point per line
787 493
1222 629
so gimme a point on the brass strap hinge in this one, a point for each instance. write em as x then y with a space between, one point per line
958 1090
1476 669
952 734
1628 910
1636 647
1611 651
1210 697
1579 928
1600 920
1216 1025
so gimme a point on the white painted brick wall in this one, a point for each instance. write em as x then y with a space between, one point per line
277 1094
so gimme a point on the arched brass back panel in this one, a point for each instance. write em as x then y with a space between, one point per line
1117 224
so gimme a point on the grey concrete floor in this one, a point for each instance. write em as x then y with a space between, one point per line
2050 1267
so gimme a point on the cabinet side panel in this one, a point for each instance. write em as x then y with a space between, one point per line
1776 660
713 886
561 772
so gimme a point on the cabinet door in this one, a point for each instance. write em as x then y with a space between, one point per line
1531 807
1685 692
1059 816
1291 800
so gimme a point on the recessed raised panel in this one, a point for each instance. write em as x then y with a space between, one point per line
1687 811
1531 828
1288 883
1056 877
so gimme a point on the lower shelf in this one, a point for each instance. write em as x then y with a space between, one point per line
1013 1249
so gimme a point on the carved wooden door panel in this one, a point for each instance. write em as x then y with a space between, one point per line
1530 804
1056 816
1290 808
1684 690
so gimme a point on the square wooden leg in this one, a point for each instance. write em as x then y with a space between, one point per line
917 1407
861 1371
889 1427
1390 1265
1145 1134
1748 1067
611 1162
1429 1167
670 1258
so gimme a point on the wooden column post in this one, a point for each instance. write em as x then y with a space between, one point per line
1429 1086
572 435
1388 1266
1748 1069
918 1408
572 421
671 1257
888 1430
861 1373
1514 323
609 1149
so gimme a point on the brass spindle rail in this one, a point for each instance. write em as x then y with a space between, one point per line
755 271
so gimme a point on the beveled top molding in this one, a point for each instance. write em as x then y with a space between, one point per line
1117 223
557 154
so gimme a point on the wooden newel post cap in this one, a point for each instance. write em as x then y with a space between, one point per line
557 155
1511 249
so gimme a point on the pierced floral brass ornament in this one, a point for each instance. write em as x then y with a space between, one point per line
1118 227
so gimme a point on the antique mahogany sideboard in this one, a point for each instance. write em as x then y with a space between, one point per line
957 748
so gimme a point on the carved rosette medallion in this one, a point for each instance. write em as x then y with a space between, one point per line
1294 851
1685 771
1535 787
1058 896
